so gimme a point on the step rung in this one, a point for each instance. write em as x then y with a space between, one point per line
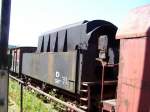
110 82
111 102
84 107
84 99
84 84
89 83
84 91
111 65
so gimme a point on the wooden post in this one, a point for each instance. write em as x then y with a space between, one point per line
3 91
4 34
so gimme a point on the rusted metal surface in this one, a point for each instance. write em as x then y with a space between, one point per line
57 69
134 80
72 107
136 24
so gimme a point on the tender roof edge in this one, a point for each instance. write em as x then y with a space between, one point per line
136 24
65 27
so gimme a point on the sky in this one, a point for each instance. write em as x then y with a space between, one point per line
30 18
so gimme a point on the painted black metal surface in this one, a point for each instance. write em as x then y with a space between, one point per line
4 31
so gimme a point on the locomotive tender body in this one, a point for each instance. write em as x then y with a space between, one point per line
65 57
57 69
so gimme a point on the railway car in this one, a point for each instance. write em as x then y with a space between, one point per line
67 59
17 53
133 79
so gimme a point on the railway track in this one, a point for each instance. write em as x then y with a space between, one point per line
70 107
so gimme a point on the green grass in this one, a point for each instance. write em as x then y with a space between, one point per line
31 103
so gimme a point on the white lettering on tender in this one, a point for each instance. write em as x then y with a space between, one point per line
57 74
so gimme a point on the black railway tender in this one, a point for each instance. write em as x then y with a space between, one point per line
66 57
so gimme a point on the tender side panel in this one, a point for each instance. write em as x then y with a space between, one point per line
57 69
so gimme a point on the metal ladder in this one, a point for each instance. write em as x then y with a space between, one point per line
86 95
106 105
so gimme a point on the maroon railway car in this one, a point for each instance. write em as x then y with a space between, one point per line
133 93
134 70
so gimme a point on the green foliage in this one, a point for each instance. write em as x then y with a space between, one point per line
31 103
58 106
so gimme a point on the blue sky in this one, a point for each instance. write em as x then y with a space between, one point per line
30 18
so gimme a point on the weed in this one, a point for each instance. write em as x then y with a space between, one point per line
31 103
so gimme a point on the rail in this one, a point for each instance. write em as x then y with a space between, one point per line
49 96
